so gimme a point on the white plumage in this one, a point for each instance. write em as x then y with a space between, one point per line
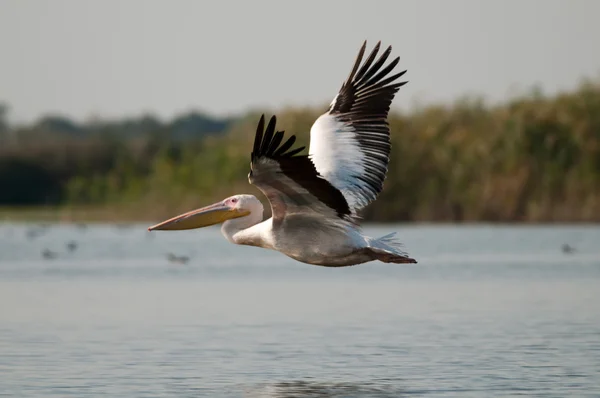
337 157
315 198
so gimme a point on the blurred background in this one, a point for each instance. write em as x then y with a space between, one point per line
140 110
115 115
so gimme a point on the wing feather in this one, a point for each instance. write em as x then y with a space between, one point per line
291 181
350 144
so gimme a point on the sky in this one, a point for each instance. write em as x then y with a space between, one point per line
112 59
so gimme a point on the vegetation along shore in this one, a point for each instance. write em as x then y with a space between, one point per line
535 158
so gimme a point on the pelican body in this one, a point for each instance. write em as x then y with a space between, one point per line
315 198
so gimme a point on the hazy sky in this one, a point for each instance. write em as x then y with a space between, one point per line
122 58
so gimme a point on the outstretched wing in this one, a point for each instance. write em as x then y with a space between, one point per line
350 144
290 181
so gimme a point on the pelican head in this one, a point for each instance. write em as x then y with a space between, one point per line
228 209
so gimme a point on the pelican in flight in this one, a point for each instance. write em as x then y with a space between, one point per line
315 198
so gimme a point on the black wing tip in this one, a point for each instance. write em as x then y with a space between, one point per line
371 75
268 142
382 58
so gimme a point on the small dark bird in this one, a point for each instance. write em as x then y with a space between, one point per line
34 233
567 249
49 254
72 245
177 259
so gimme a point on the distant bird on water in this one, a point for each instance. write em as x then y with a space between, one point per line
35 232
567 249
315 198
177 259
71 245
49 254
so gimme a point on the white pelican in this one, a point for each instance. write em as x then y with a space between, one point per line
315 198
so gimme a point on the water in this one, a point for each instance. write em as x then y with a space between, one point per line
488 311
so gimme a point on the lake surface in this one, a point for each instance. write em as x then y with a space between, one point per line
488 311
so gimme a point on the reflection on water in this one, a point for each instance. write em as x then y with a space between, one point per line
488 311
302 388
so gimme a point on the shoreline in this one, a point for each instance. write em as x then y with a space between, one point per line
129 215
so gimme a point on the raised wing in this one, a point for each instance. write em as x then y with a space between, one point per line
290 181
350 144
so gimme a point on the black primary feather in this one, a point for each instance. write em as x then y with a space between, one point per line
267 144
363 103
298 168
